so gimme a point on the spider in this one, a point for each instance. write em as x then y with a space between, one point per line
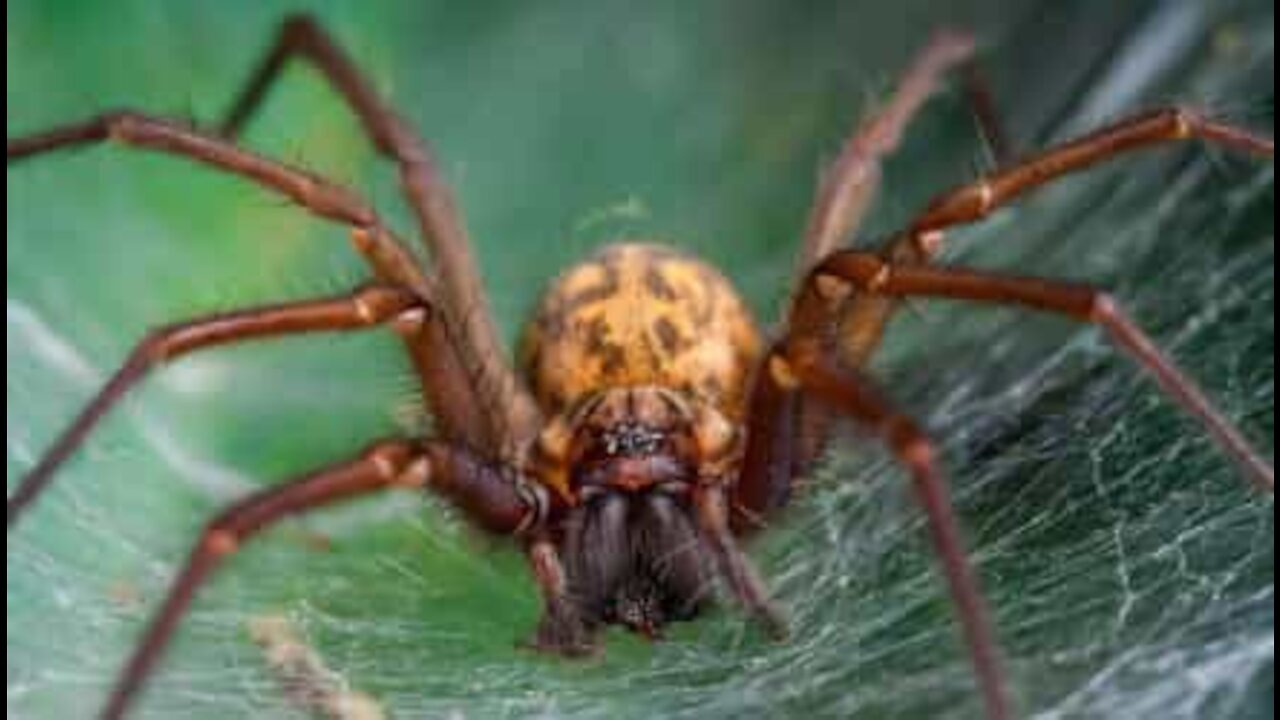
650 426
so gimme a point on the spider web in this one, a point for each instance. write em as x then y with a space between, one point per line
1130 571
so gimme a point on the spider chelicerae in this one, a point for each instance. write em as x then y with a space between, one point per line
650 425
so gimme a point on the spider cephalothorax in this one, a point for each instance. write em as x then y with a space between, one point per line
650 410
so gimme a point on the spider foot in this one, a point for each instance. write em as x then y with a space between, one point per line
773 623
563 632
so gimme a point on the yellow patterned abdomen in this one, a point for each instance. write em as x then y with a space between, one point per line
635 315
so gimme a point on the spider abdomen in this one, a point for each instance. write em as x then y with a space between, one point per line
641 315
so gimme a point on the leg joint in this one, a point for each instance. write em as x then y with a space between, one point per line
379 303
390 459
910 444
860 268
299 28
538 502
155 348
782 373
795 359
1103 308
220 541
122 126
1183 123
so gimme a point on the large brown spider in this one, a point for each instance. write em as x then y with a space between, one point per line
651 426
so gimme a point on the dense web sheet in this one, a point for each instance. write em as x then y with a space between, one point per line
1130 568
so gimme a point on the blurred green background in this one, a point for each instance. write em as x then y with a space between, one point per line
1131 572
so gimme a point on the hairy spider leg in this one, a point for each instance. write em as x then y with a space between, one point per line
314 193
371 306
980 198
484 491
510 415
790 371
801 365
849 185
873 275
784 432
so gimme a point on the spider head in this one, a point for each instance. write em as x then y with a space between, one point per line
633 440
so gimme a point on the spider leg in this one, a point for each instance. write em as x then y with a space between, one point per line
484 491
976 200
444 376
850 183
736 568
327 199
512 413
371 306
865 319
861 320
986 114
872 274
801 365
561 629
769 459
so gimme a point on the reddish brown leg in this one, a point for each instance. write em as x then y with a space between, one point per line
769 463
371 306
872 274
977 200
488 495
511 413
982 102
849 185
864 319
801 365
445 379
851 182
311 191
388 256
847 190
735 567
561 629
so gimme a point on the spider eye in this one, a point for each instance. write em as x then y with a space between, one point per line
632 439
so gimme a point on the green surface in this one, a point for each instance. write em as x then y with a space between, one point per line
1131 572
